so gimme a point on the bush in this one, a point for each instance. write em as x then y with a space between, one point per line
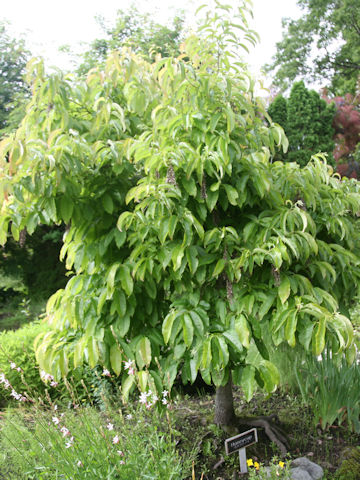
18 364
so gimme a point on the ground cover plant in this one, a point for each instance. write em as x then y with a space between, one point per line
191 253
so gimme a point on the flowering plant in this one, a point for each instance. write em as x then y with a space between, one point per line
276 470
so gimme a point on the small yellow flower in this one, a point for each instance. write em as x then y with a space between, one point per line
257 465
249 462
281 464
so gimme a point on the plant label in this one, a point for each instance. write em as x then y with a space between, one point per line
239 443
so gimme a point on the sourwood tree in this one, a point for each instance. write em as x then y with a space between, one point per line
190 250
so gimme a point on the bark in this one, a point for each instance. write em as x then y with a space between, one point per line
224 405
225 416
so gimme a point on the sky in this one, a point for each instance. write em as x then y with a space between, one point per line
46 25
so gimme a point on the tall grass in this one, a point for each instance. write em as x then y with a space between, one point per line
331 389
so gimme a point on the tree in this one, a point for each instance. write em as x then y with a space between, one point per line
190 250
308 123
138 31
13 58
323 44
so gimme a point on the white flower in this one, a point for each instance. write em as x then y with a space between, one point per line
165 393
155 398
110 426
18 369
12 365
2 378
143 397
106 372
55 420
164 401
121 462
64 431
79 463
70 443
129 364
7 384
16 395
116 439
120 452
53 384
129 416
46 376
149 393
55 407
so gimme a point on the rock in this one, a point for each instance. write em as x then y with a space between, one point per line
315 471
299 474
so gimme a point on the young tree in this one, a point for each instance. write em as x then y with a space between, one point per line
190 250
308 123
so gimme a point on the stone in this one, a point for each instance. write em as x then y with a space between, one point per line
299 474
314 470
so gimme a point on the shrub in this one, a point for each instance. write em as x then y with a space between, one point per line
18 364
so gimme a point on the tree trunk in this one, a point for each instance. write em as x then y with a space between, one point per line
224 405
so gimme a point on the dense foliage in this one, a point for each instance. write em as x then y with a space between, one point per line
189 249
13 58
308 123
322 45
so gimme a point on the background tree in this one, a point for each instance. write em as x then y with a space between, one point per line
323 44
138 31
13 59
308 123
191 251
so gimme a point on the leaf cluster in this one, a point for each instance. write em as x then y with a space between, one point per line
189 249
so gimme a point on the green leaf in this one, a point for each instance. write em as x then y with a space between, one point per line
188 329
198 323
177 256
143 352
167 325
110 280
143 378
119 302
126 280
115 358
126 387
248 382
206 354
242 330
219 267
290 328
66 208
270 375
319 336
284 289
233 339
190 186
231 193
191 256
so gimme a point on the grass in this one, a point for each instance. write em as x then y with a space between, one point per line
130 442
